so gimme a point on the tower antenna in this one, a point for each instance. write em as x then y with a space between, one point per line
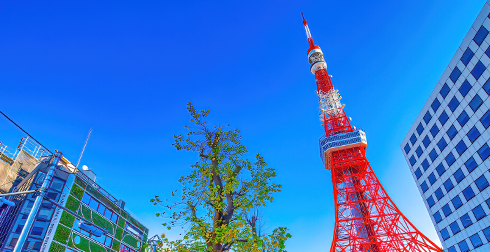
86 140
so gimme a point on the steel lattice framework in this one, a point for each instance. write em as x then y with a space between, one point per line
366 218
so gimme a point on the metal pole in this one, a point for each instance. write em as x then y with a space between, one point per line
86 140
37 203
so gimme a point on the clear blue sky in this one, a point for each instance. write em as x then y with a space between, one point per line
127 69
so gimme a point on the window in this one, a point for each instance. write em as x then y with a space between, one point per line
468 193
466 220
435 105
470 164
448 185
446 210
473 134
450 159
461 147
453 104
455 74
481 183
478 70
424 187
451 249
485 119
475 103
427 117
443 118
455 227
478 212
37 230
475 240
451 132
420 128
486 86
442 144
463 118
432 178
19 229
484 152
439 194
463 246
13 242
433 155
419 151
445 234
486 232
434 130
114 217
430 201
425 164
465 88
437 217
459 175
407 149
413 139
412 160
444 91
426 141
467 55
418 173
457 203
480 35
440 169
488 202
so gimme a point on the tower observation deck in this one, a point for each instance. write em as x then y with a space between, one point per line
366 218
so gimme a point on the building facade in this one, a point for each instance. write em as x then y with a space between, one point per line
447 147
95 221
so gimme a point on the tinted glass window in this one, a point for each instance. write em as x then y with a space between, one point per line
448 185
450 159
485 119
445 234
486 232
461 147
468 193
486 87
440 169
478 212
457 203
475 103
433 155
463 118
443 118
465 88
446 210
451 249
435 105
470 164
455 74
418 173
463 246
444 91
430 201
437 217
478 70
419 151
475 240
466 220
413 139
467 55
442 144
426 141
439 194
481 183
453 104
432 178
427 117
434 130
412 160
424 187
473 134
420 128
451 132
484 152
37 231
425 164
480 35
459 175
407 149
454 227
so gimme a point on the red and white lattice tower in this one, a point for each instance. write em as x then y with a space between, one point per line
366 218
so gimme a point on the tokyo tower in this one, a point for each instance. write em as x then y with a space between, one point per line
366 218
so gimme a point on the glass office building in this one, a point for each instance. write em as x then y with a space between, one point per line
448 148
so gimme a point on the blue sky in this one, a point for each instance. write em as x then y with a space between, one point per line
127 69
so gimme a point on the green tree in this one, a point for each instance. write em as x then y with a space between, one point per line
221 190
